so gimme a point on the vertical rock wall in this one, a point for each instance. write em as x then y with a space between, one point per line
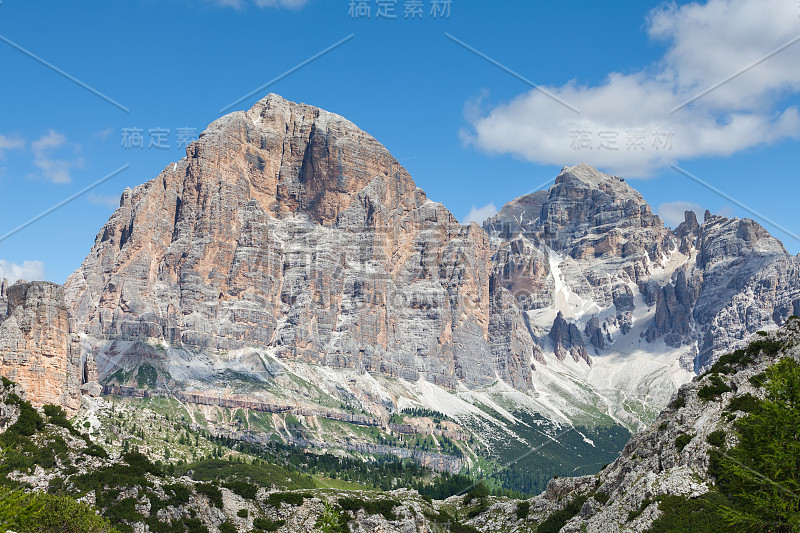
36 348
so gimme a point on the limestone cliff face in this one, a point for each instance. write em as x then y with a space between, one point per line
568 340
286 226
36 348
740 281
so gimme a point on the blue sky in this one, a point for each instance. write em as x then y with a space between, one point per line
608 77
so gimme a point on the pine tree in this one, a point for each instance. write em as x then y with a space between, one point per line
762 472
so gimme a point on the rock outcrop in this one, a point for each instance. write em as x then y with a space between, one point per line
36 348
673 311
568 340
594 332
9 410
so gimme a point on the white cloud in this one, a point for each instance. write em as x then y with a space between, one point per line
10 143
110 201
240 4
479 214
103 134
706 44
28 270
53 169
672 213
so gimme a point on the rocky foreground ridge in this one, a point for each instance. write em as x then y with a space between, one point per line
672 457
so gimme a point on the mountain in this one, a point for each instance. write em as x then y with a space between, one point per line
288 281
287 227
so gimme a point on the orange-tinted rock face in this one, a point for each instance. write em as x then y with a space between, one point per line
36 348
288 227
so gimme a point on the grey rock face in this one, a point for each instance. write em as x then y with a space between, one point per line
687 231
749 282
512 344
603 231
734 278
594 333
741 280
517 216
673 311
522 268
590 215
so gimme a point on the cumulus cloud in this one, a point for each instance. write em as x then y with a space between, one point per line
28 270
241 4
10 143
110 201
479 214
635 123
672 213
52 168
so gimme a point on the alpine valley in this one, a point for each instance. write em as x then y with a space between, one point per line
284 307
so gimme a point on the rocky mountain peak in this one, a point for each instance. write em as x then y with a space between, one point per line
589 212
517 216
299 157
732 237
287 227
